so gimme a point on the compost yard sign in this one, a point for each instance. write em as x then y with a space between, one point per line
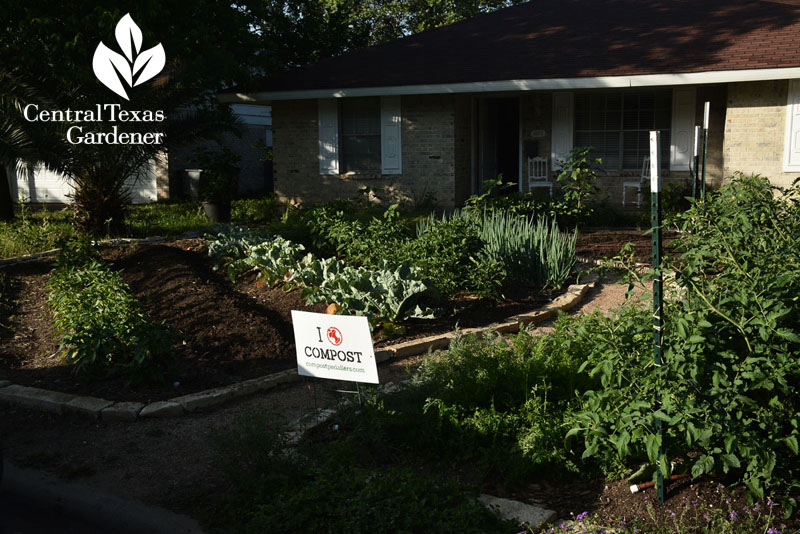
336 347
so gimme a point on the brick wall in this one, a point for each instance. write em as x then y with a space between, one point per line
428 155
755 129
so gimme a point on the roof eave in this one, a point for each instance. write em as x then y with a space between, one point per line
552 84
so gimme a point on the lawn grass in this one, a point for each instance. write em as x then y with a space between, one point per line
37 231
34 232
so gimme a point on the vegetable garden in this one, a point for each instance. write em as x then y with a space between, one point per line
578 402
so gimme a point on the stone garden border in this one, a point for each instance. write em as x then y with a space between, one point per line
106 410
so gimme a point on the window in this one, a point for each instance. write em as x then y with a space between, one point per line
617 125
360 136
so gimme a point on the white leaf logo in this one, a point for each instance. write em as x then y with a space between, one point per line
134 68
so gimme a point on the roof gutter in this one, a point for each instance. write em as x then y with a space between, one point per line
554 84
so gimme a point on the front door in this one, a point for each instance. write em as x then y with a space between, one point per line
497 143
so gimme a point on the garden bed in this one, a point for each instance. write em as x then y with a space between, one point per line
229 332
600 244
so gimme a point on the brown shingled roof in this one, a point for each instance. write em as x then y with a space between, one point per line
545 39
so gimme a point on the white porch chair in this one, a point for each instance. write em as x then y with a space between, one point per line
638 184
539 174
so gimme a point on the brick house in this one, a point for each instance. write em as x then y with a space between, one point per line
438 112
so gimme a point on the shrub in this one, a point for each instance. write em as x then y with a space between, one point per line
728 388
102 328
448 252
337 230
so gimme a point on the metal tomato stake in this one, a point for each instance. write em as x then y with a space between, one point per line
658 295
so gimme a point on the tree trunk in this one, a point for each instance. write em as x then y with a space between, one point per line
6 202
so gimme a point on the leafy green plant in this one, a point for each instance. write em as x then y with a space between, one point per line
448 252
512 400
728 388
219 181
577 181
102 330
386 295
228 245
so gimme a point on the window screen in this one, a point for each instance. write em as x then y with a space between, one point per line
618 126
360 135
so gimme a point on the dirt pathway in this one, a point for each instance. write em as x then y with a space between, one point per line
166 461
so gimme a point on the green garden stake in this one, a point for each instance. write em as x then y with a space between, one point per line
706 112
658 293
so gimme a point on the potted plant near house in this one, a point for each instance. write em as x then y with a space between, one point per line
219 183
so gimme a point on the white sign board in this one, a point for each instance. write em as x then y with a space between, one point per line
337 347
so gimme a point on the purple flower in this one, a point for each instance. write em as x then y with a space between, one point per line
581 516
773 530
733 515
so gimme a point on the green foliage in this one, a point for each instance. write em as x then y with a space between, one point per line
165 218
728 389
505 405
337 230
573 204
386 294
446 252
577 180
449 253
278 490
34 232
102 330
535 252
219 180
253 211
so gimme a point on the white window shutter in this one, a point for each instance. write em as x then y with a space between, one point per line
682 128
791 149
391 144
563 127
328 136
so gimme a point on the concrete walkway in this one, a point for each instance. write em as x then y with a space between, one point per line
33 502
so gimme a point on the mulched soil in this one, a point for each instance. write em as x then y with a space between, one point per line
601 244
227 332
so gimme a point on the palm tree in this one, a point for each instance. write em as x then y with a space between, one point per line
22 142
